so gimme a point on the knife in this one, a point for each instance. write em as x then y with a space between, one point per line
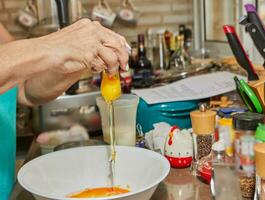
253 16
254 27
239 52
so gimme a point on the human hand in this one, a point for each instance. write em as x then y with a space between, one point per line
86 44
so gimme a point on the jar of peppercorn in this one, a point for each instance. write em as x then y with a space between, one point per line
245 125
203 125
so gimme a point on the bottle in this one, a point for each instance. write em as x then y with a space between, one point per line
143 67
226 134
182 28
162 52
172 44
203 125
245 125
134 55
259 149
206 164
180 58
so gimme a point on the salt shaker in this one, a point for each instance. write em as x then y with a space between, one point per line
206 164
259 149
203 125
245 125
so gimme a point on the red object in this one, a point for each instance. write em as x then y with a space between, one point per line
205 174
171 134
229 29
179 162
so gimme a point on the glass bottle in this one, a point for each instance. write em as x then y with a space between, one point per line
143 65
205 164
259 149
162 52
133 56
143 68
245 125
226 134
180 58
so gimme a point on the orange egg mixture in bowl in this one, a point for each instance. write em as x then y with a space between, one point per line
84 173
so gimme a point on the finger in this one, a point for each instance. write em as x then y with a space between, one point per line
108 56
98 65
112 70
123 56
114 41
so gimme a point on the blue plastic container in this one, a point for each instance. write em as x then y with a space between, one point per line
173 113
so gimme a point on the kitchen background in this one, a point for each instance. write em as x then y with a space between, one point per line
154 14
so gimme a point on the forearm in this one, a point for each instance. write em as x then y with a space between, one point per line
45 87
21 60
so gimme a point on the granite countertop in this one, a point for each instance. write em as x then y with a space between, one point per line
179 184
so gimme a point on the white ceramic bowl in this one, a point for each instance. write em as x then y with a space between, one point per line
56 175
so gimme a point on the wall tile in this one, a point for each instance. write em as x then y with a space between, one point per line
154 14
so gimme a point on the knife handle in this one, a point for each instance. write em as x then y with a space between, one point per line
253 16
239 52
63 12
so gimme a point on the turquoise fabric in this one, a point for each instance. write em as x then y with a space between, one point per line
7 142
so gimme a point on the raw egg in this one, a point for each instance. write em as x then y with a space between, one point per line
110 87
99 192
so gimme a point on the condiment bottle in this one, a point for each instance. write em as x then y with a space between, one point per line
260 171
245 125
226 134
205 164
260 133
203 125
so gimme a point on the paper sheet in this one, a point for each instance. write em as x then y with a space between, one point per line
192 88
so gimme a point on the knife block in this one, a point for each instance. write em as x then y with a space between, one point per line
258 87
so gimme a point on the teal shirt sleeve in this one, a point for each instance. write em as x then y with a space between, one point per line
7 142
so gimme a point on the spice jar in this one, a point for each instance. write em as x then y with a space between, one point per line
226 134
245 125
259 149
203 125
205 164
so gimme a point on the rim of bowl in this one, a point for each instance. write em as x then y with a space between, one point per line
34 192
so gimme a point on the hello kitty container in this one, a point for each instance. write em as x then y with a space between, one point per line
178 148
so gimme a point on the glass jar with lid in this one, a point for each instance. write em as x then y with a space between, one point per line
245 125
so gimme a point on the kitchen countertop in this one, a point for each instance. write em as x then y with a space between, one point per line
179 184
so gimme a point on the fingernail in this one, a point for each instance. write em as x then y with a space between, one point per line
128 48
127 67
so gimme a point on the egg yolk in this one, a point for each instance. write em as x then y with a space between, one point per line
110 87
100 192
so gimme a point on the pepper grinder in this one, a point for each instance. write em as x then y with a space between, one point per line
203 125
